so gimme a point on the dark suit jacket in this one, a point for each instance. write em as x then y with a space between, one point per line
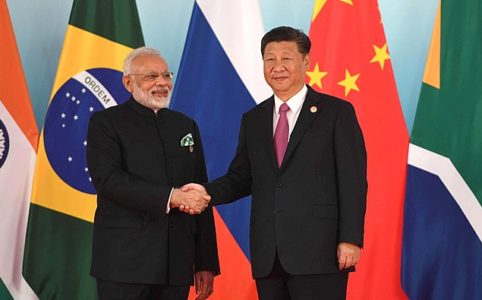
134 158
315 200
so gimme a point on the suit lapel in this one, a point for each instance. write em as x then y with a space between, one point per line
307 114
267 129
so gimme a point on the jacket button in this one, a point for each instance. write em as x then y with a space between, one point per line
279 185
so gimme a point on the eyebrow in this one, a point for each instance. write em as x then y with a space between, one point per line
150 71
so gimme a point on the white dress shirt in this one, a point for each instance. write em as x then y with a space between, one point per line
295 103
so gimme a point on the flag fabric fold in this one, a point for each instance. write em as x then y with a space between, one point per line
442 233
350 60
220 78
59 238
18 145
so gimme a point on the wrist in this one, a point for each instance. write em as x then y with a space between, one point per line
176 198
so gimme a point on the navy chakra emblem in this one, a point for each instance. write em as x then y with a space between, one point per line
66 123
4 143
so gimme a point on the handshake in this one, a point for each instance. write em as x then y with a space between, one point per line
192 198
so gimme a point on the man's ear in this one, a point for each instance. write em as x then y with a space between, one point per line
306 61
128 82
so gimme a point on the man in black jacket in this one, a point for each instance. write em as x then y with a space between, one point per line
302 156
137 153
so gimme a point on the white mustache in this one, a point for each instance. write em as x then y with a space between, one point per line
161 90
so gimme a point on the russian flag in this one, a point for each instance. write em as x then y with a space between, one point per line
220 78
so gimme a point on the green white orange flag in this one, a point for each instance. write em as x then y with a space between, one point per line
350 60
59 238
18 145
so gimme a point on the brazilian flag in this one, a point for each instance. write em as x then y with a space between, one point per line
99 35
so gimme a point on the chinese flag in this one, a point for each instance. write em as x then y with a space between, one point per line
350 60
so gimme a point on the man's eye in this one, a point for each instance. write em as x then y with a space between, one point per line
286 58
167 75
151 76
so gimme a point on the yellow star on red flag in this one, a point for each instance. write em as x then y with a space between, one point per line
343 35
347 2
349 83
381 55
316 76
318 6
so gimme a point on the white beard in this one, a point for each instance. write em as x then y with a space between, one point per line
145 98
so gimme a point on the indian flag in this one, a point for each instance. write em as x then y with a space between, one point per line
18 144
59 237
442 234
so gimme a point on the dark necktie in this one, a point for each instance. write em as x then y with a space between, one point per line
281 134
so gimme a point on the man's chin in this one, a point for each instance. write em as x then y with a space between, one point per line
161 102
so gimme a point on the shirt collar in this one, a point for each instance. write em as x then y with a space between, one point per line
141 108
294 102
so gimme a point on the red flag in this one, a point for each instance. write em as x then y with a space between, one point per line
350 60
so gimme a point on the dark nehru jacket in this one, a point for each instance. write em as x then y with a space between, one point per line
135 157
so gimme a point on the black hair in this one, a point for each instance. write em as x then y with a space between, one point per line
287 34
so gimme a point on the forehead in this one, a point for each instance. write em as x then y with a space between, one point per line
149 63
281 47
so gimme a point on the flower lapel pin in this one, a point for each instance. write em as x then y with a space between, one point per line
188 141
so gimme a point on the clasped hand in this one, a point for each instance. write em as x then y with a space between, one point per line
192 198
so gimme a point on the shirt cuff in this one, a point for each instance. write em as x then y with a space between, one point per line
168 207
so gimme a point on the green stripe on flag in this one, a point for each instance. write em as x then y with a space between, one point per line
115 20
449 120
4 294
59 245
58 255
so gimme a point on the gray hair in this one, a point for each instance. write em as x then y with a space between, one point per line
135 54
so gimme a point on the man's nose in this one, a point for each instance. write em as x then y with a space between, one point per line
278 65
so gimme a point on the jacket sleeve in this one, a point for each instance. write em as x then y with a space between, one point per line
351 169
237 181
205 243
112 182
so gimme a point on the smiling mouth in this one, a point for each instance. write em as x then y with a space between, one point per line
279 78
160 93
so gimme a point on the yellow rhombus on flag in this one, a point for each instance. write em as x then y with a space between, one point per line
59 239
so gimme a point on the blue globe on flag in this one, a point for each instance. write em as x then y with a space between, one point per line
66 123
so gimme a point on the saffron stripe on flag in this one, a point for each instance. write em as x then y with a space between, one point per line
18 143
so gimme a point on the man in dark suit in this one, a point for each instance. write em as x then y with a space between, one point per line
137 152
302 156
